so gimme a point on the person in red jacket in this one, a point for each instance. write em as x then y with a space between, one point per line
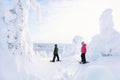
83 52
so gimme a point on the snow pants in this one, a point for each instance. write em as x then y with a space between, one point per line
83 59
56 55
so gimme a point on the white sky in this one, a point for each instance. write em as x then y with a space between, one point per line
61 20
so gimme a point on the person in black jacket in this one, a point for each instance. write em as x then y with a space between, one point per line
55 53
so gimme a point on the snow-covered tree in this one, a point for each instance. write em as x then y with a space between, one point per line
77 42
15 43
107 43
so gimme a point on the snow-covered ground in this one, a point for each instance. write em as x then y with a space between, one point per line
105 68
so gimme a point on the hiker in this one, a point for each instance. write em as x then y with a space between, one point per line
55 53
83 52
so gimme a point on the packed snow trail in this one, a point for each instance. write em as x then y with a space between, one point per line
105 68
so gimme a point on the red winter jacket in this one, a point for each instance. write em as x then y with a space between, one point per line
83 48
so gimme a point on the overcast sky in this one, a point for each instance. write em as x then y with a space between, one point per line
61 20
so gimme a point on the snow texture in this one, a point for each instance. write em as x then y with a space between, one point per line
19 62
107 42
15 44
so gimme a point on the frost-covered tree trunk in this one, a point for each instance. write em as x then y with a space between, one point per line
15 44
16 35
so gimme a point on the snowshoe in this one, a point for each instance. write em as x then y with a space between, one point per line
83 63
52 61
